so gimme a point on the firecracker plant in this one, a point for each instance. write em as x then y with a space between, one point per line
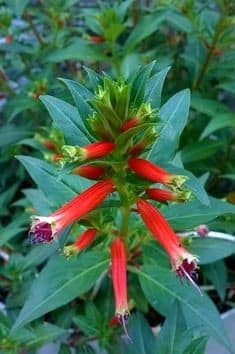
115 169
123 127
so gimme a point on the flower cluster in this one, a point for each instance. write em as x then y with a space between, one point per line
124 131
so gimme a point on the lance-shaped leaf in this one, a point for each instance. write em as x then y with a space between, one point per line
139 83
46 177
188 215
67 118
162 287
174 115
154 87
175 338
141 336
217 274
80 96
59 282
144 28
211 249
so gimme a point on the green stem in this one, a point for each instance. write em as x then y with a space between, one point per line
28 18
125 211
205 66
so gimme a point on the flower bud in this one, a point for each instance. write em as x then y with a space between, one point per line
202 230
82 242
131 123
147 140
162 195
88 171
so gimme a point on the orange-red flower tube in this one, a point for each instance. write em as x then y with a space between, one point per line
90 151
183 263
154 173
82 242
45 228
119 278
88 171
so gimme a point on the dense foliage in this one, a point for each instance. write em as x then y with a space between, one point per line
83 107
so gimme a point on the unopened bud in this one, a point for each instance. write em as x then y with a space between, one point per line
202 230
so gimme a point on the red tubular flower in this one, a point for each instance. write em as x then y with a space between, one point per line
91 151
162 195
82 242
45 228
151 172
131 123
91 172
100 149
119 277
183 263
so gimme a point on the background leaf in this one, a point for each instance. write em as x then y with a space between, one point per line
162 287
191 214
57 190
59 282
216 273
174 115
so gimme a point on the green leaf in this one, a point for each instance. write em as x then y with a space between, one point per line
59 282
162 287
80 96
229 176
11 134
197 346
17 6
130 64
179 21
13 229
152 251
173 114
145 27
44 333
154 87
80 49
45 176
169 338
228 86
217 274
188 215
200 151
220 121
7 196
211 249
92 323
139 83
94 78
207 106
67 118
141 335
39 201
39 254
